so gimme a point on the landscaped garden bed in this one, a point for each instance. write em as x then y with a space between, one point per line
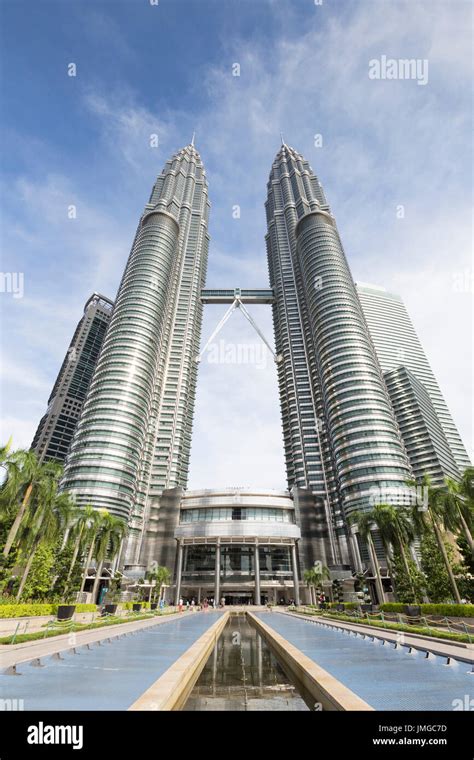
70 627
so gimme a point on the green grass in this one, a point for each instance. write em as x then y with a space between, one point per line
75 627
422 631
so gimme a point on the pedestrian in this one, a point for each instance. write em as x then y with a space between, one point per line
180 605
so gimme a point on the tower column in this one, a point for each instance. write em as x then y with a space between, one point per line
355 549
179 570
217 572
294 567
257 572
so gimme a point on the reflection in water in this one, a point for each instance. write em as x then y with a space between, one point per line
243 674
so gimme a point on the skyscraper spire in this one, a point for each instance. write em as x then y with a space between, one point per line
282 138
192 141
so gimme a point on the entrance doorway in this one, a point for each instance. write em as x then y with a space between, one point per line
238 597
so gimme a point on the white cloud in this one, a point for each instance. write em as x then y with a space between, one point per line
22 375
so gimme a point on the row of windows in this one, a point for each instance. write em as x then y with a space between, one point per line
257 514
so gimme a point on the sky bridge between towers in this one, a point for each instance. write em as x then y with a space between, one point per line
237 297
228 295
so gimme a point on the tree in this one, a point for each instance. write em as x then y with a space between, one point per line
337 590
66 577
410 585
38 584
457 502
100 513
437 582
45 526
162 576
466 554
365 522
434 516
397 532
26 482
7 564
85 523
5 452
108 541
314 578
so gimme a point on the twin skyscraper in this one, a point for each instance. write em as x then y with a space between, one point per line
347 429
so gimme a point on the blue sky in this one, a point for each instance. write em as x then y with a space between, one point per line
166 70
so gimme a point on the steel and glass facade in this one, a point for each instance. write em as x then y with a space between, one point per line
397 344
130 452
341 437
420 427
134 435
238 545
56 429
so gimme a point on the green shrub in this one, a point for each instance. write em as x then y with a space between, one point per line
32 610
392 607
445 610
129 605
86 607
418 629
448 610
347 605
26 610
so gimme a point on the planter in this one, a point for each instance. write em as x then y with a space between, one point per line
154 606
412 611
66 611
110 609
136 607
366 607
340 608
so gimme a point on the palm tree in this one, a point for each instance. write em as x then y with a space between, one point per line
396 530
161 576
5 452
108 540
309 579
27 480
83 529
457 502
366 521
436 515
45 526
10 485
92 537
314 578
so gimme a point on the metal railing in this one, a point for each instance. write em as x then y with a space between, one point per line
432 625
